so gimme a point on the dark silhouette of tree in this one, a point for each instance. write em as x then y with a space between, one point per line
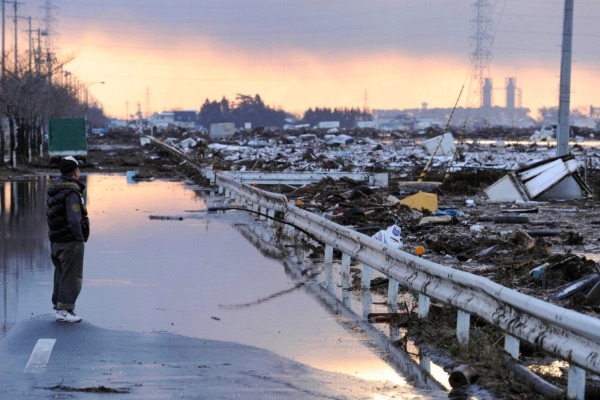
245 109
347 117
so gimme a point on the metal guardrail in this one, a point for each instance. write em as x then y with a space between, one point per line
572 336
291 178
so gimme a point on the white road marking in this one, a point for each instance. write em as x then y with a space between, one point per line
40 355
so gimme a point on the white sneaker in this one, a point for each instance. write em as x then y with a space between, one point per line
67 316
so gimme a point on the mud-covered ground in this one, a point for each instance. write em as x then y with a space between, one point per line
500 241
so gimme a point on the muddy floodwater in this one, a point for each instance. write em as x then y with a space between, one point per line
197 276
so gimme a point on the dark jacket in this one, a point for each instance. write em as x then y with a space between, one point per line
65 211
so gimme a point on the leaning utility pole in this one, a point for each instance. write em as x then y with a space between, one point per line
563 132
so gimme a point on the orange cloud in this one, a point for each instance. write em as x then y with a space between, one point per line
165 76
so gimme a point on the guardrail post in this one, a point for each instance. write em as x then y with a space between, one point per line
328 254
463 323
392 298
576 383
365 279
263 210
271 215
394 332
221 189
346 279
424 303
328 261
255 207
208 173
511 345
366 302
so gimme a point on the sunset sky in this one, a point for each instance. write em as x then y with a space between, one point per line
296 54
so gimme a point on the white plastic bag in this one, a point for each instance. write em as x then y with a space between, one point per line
391 236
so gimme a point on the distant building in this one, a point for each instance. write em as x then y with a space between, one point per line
511 87
366 124
165 117
185 119
487 93
180 119
328 124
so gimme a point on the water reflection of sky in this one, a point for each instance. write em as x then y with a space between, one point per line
180 276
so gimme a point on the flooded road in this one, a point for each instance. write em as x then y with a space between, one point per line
197 277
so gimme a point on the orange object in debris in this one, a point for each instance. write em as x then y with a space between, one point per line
420 250
298 203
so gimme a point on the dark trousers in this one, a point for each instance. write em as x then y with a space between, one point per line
67 258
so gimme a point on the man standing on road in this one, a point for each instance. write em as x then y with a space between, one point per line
69 229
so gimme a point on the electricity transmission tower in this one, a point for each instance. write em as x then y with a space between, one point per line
481 56
49 34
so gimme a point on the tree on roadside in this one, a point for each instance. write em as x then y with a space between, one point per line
28 99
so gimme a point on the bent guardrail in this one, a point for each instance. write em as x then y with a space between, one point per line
570 335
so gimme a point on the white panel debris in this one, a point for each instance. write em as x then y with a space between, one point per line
555 178
506 189
440 145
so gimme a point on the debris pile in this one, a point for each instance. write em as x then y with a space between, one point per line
541 247
505 242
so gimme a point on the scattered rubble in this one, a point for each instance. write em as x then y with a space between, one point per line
541 247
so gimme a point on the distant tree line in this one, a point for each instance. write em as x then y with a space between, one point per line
245 109
347 117
248 109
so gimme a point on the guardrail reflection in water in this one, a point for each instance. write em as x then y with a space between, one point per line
572 336
310 274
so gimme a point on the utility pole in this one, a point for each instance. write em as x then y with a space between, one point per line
49 22
563 131
3 38
16 37
38 52
30 33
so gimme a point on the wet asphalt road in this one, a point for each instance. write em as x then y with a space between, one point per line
42 358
